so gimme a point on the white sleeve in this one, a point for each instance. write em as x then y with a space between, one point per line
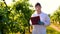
30 22
47 21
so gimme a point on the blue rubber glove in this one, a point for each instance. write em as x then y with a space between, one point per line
40 22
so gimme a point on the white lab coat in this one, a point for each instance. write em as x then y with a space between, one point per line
40 29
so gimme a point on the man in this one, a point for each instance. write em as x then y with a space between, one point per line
40 29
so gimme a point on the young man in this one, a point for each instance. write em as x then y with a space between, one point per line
40 29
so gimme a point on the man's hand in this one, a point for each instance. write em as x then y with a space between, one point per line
40 22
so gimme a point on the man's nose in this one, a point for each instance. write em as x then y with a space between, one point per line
37 8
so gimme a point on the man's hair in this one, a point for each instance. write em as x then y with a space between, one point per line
37 4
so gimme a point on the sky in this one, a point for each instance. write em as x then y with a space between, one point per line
48 6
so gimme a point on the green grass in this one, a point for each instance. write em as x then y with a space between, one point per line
52 31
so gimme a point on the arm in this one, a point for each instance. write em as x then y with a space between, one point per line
30 20
47 21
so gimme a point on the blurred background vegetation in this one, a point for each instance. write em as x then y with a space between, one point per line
14 19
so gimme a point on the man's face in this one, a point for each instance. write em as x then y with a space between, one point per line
38 8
